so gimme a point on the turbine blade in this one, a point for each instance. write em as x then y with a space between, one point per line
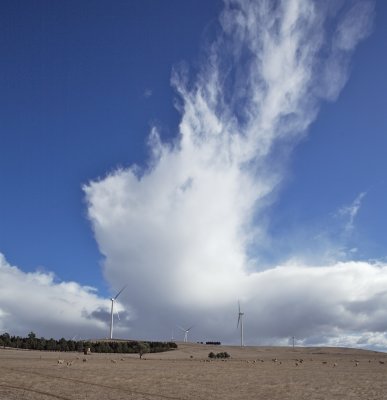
182 329
120 291
239 318
118 315
189 328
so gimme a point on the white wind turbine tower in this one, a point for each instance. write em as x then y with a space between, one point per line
240 321
185 332
113 299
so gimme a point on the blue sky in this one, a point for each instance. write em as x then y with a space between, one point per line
83 86
74 107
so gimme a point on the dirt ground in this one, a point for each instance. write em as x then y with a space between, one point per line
186 373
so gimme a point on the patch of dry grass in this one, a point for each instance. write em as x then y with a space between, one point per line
187 373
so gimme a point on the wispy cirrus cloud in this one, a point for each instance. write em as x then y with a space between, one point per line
185 231
350 212
147 93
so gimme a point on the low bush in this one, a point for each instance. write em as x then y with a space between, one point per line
223 354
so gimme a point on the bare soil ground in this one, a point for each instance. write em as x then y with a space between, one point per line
186 373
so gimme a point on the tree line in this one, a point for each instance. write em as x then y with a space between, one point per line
32 342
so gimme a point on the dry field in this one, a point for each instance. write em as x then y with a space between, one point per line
251 373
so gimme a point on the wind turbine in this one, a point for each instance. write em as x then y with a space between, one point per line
185 332
240 321
113 299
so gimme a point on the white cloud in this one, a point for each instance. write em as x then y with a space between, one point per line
350 212
36 302
181 232
147 93
355 26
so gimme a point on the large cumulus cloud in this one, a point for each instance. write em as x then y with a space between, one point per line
185 231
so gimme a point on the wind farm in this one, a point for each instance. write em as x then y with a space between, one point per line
211 370
193 200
